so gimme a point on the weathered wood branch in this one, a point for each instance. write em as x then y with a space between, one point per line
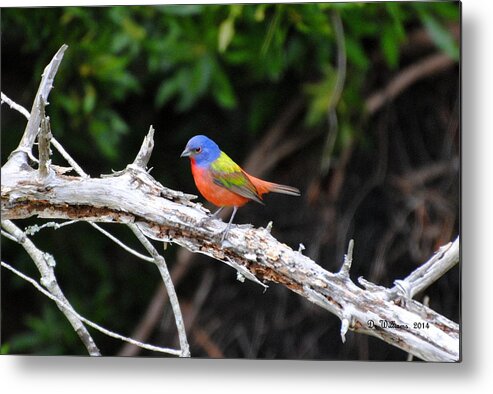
163 270
105 331
428 273
133 196
44 139
45 263
18 160
17 157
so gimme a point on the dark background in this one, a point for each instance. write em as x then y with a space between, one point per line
235 73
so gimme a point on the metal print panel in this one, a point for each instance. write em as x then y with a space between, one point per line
261 181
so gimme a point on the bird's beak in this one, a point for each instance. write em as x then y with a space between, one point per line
186 153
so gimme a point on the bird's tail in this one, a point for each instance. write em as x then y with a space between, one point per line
270 187
284 189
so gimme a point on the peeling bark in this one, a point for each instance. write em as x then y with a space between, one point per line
133 196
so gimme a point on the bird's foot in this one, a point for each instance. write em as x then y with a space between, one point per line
215 215
205 220
223 236
209 218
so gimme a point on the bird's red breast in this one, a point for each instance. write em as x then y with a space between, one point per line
212 192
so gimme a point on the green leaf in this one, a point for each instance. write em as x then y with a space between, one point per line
135 31
70 102
447 10
389 43
89 100
346 134
226 33
167 89
182 10
222 89
106 131
397 13
259 15
320 95
5 348
355 53
440 36
201 75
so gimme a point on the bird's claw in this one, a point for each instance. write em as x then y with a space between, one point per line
223 236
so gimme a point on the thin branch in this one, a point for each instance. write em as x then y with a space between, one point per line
54 142
156 306
424 68
113 199
105 331
7 235
12 104
336 94
31 230
272 148
163 269
45 264
341 58
175 218
121 244
428 273
67 157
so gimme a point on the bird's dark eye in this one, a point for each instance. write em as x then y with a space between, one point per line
198 150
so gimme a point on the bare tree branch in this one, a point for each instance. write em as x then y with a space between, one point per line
273 147
163 269
335 94
427 274
134 198
19 108
44 138
32 127
45 264
145 151
112 334
156 306
139 164
12 104
121 244
428 66
169 216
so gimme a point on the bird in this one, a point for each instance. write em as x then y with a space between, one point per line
223 182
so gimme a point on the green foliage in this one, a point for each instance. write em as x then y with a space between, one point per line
5 348
49 334
439 34
196 52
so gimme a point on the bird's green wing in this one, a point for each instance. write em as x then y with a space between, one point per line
226 173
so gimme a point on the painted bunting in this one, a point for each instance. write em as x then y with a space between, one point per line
222 182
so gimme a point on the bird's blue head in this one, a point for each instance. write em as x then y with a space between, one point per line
202 150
